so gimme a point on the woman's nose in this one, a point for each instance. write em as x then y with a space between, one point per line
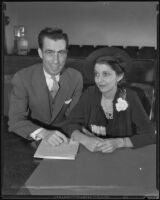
99 79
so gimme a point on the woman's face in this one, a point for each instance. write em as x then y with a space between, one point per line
106 78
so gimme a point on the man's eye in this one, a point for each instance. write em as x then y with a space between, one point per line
49 52
62 52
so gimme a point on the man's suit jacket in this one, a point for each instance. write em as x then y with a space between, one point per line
30 101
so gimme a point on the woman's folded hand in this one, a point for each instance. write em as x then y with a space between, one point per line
110 145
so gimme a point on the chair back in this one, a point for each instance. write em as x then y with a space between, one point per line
142 78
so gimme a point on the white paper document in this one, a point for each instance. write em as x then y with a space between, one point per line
63 151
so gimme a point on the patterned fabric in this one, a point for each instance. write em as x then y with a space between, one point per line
54 88
49 79
107 106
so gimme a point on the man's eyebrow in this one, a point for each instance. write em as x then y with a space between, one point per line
49 50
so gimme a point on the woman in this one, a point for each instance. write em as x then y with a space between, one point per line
109 116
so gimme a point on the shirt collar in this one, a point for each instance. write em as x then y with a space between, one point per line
48 76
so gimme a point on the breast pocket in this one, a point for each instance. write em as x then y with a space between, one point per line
67 102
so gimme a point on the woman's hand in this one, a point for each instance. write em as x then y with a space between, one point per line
110 145
89 141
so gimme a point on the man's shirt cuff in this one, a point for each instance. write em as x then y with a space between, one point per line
35 134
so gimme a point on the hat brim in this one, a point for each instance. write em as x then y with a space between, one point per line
106 51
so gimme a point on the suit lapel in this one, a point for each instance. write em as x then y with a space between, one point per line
61 95
42 95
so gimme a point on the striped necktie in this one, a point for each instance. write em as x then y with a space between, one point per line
55 87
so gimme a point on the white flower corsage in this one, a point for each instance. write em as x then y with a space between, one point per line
121 104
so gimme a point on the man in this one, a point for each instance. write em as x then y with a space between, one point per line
44 94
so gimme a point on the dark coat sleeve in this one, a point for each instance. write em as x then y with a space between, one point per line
145 131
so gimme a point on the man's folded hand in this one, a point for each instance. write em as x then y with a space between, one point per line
53 137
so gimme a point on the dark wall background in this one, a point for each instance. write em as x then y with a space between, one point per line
95 23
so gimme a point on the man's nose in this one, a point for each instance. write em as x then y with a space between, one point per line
56 58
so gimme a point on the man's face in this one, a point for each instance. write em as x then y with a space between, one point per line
53 54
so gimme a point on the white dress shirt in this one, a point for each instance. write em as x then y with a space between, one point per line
49 82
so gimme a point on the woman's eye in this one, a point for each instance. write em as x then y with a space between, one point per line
106 74
96 74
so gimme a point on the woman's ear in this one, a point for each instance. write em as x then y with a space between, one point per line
120 77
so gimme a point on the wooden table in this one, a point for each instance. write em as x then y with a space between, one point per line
124 172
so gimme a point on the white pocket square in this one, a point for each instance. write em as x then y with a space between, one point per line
68 101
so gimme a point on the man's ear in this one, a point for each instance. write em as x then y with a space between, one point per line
120 77
40 53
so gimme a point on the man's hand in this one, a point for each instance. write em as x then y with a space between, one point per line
54 137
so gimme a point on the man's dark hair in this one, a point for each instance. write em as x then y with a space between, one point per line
55 34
